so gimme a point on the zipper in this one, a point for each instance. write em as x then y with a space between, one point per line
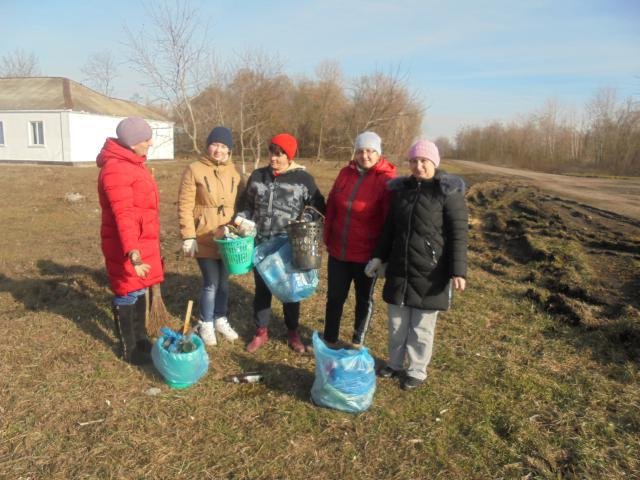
406 246
272 188
216 174
154 186
206 181
433 251
347 219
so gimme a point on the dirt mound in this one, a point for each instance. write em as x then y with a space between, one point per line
578 263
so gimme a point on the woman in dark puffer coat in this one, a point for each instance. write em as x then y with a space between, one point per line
130 232
424 243
275 195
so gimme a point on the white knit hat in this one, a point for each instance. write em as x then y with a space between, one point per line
369 140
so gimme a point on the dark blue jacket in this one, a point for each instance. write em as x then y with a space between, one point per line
273 200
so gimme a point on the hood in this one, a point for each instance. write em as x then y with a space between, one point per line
382 166
209 163
292 166
448 183
295 166
112 150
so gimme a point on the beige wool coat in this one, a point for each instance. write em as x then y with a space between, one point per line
207 200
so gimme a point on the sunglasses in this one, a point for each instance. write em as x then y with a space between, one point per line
276 150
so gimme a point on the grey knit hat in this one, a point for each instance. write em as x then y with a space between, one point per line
133 130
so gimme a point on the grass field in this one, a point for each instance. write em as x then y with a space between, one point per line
534 375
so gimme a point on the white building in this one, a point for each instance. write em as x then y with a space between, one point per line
57 120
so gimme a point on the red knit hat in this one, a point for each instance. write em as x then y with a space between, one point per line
287 143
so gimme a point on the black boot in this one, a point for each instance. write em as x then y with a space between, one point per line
125 319
139 326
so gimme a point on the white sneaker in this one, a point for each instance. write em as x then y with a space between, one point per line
223 327
207 333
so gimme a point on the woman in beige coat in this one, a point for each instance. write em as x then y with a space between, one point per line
206 204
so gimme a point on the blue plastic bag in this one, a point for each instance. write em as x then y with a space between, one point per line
273 260
345 379
180 370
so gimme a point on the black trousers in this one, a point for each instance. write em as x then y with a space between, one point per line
340 276
262 306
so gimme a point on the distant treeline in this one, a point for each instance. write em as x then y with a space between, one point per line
258 100
605 140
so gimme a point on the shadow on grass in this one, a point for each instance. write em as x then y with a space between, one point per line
81 294
617 342
70 291
293 377
280 377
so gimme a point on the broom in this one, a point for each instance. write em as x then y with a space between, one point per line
158 316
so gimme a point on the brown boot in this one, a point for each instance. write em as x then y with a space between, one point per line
294 341
259 339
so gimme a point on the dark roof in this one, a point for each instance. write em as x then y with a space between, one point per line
57 93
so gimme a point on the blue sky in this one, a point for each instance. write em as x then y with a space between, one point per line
470 62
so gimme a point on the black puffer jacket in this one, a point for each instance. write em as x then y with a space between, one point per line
424 241
272 201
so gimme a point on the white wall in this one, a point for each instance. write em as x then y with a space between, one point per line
88 132
162 141
17 135
71 136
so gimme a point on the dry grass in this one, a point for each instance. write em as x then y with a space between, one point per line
515 390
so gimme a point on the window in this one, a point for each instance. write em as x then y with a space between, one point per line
36 133
1 133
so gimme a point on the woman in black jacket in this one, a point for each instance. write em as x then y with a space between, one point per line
424 243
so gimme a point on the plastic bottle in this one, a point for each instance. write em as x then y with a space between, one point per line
274 270
249 377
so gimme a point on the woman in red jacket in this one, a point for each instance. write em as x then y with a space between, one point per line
356 209
130 232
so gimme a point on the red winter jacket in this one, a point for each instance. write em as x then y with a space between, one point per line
356 208
130 217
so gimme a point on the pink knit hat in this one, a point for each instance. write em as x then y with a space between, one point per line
425 149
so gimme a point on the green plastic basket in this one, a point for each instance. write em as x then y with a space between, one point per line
237 254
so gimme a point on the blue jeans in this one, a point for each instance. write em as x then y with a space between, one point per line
214 298
129 299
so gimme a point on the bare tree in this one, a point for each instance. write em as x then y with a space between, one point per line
171 54
19 64
259 92
101 70
383 102
330 98
445 148
547 121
